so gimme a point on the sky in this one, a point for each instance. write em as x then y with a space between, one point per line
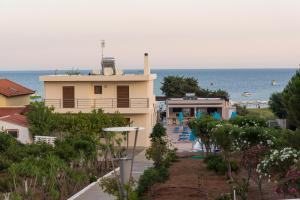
61 34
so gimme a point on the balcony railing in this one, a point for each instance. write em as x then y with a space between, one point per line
98 103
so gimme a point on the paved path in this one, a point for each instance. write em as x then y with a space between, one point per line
94 191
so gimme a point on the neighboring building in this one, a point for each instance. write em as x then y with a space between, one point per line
5 111
129 94
13 94
16 125
190 105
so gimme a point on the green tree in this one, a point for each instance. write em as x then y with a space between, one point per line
277 106
158 149
203 129
178 86
40 119
291 99
224 139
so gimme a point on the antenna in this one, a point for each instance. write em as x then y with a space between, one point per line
102 47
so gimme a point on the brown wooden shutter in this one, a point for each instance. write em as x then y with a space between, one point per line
123 96
68 97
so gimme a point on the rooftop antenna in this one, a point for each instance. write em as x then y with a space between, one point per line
102 49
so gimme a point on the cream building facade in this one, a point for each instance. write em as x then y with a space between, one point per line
13 94
129 94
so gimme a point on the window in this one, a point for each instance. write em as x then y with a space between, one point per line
177 109
98 89
13 132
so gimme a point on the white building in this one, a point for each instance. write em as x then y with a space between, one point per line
16 125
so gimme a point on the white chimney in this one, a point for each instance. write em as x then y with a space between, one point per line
146 65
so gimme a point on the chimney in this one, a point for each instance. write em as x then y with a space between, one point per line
146 65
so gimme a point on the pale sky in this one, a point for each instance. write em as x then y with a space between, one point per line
60 34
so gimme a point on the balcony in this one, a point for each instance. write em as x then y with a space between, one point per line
107 104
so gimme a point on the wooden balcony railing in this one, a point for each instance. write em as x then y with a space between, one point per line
98 103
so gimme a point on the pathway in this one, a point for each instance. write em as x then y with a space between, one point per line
94 191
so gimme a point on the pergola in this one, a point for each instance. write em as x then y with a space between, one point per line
125 163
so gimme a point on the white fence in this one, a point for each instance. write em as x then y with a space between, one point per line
46 139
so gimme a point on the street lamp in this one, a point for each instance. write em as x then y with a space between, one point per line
125 163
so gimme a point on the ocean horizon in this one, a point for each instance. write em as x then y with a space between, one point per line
257 81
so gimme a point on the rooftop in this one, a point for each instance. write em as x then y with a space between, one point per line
4 111
17 119
11 89
83 78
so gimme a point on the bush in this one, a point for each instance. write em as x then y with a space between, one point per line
241 110
159 131
224 197
170 157
217 163
247 121
150 177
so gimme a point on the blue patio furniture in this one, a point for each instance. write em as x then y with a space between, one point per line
233 115
176 129
198 115
192 137
180 117
186 129
217 116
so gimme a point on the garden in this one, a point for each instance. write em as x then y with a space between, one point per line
79 156
244 158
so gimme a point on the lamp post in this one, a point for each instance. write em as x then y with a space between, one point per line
125 163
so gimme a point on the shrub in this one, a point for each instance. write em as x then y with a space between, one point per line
151 176
159 131
248 121
224 197
217 163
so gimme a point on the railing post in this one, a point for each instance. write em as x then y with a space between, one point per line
147 102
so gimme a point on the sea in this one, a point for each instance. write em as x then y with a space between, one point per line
257 82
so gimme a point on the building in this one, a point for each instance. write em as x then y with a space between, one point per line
190 105
16 125
129 94
13 94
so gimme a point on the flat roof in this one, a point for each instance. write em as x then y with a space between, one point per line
84 78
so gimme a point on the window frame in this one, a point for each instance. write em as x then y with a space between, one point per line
95 90
16 130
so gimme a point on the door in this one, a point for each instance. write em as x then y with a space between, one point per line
68 97
123 96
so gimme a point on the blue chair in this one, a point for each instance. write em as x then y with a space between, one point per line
217 116
233 115
198 115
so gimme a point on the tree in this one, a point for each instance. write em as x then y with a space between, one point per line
224 139
277 106
291 99
178 86
158 148
203 129
40 119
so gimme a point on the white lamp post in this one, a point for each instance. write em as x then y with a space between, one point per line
124 163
